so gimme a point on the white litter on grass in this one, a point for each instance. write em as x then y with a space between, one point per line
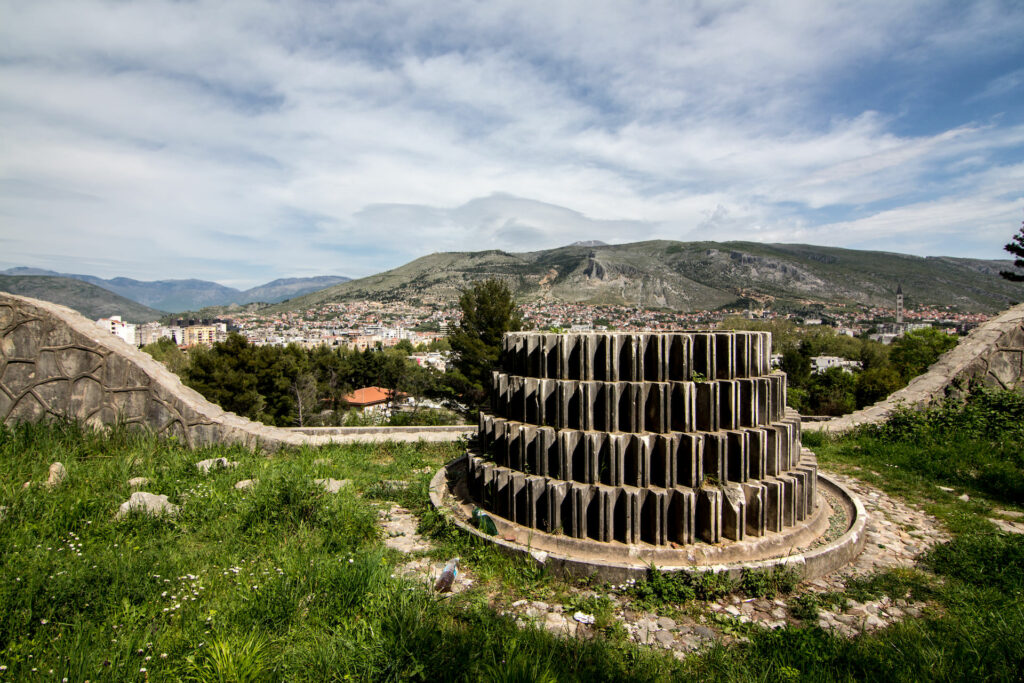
584 618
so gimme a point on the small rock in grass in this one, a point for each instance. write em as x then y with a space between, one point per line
332 485
704 632
583 617
554 623
57 475
148 503
138 482
964 497
246 484
666 623
205 466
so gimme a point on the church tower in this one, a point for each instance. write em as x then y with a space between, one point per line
899 304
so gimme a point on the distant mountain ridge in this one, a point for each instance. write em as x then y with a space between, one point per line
91 301
688 276
188 295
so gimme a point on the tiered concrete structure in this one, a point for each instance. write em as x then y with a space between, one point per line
658 439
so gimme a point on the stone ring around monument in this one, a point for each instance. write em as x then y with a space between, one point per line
605 454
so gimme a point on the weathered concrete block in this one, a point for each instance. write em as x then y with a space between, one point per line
709 514
755 513
734 509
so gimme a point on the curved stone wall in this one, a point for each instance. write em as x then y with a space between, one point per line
993 354
661 439
56 363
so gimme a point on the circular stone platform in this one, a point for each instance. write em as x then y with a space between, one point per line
617 563
606 453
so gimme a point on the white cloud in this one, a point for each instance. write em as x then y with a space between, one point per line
242 141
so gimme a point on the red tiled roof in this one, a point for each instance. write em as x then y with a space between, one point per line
367 396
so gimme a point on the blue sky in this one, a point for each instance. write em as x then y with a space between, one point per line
244 141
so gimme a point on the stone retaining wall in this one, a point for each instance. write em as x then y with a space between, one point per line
992 354
56 363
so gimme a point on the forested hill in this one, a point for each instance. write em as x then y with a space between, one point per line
91 301
186 295
689 276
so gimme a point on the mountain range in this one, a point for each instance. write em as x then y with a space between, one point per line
190 295
682 276
86 298
689 276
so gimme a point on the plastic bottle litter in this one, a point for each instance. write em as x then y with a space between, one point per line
483 522
447 579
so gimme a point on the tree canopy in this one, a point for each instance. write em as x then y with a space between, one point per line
1016 247
291 386
488 311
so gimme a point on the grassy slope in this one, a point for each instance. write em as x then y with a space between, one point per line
89 300
284 580
694 275
295 584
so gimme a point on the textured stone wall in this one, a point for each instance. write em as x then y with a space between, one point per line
993 354
56 363
653 438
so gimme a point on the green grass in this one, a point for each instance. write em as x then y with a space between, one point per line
287 582
282 582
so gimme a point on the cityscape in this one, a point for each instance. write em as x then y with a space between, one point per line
370 324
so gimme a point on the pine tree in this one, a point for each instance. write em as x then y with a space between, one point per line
488 312
1016 247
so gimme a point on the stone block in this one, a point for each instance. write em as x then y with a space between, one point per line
737 456
757 453
715 445
790 493
725 359
709 514
651 516
683 406
559 506
703 356
27 408
728 404
690 460
25 340
19 376
706 418
680 515
55 394
1005 367
734 508
755 513
773 503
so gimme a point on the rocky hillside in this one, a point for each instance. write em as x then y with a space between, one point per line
689 276
91 301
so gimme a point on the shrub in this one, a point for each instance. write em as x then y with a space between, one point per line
767 583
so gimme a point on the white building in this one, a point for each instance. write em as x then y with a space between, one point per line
823 363
152 332
119 328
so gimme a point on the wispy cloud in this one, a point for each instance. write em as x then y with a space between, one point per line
248 140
